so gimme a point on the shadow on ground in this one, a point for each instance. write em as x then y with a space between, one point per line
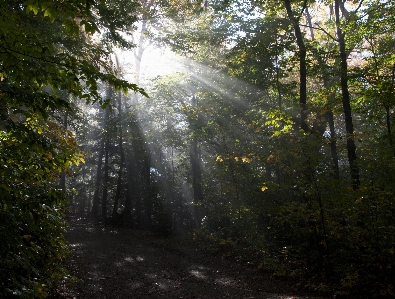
126 263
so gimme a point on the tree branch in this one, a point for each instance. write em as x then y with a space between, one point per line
320 28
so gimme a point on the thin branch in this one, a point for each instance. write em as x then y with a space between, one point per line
303 8
359 6
10 51
320 28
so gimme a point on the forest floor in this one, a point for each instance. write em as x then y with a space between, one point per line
111 263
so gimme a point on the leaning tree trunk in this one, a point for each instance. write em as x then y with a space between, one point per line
351 147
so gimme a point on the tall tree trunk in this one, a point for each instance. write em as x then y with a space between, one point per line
131 192
320 126
106 152
387 110
121 159
62 182
138 56
99 180
302 65
196 172
81 210
351 147
195 165
333 146
147 190
133 174
278 83
96 199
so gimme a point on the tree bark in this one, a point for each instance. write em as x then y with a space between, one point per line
147 190
96 199
302 65
81 210
138 56
62 182
121 159
351 147
195 165
319 125
107 144
333 146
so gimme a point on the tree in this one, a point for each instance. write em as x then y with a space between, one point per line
351 148
302 62
46 50
293 188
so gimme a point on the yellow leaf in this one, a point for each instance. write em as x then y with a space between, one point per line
219 159
264 188
245 159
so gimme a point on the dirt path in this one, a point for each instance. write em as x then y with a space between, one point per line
125 263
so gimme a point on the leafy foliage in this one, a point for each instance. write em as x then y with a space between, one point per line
49 52
32 207
268 187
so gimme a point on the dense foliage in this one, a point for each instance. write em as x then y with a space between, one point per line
48 57
294 130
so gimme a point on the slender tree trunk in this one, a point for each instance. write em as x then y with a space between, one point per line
121 159
96 195
195 165
138 56
278 83
302 65
131 195
196 172
320 126
147 190
333 146
107 144
62 182
129 198
387 111
96 199
81 210
351 147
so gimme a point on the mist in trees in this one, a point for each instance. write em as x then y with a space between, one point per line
261 128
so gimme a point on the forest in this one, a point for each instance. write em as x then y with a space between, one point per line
266 136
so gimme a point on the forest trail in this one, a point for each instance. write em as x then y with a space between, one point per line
125 263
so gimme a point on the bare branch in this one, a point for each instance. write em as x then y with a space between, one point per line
321 29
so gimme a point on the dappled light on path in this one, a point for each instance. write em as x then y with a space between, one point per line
128 263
